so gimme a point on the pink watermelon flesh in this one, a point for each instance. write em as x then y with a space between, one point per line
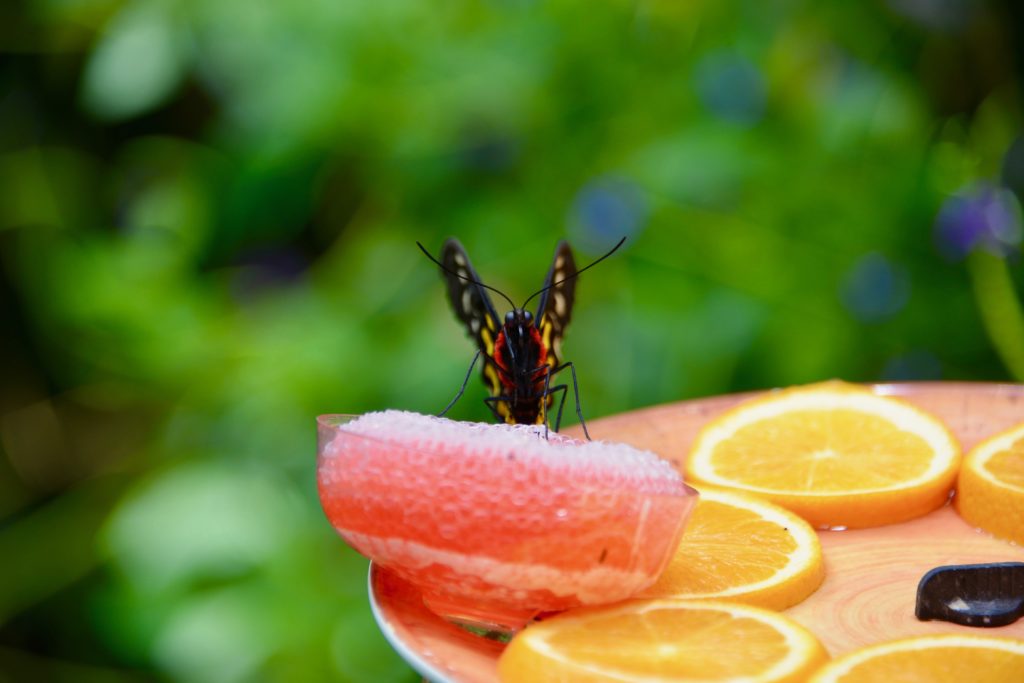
495 523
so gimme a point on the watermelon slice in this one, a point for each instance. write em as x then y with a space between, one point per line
496 523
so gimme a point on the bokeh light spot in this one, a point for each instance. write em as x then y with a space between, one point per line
875 288
982 216
944 15
605 210
137 65
266 270
193 644
916 365
731 87
196 522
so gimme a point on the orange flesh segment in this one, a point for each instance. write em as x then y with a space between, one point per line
953 664
674 643
940 658
717 564
1008 466
663 640
990 486
885 454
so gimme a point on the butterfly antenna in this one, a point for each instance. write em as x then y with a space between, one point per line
469 279
576 274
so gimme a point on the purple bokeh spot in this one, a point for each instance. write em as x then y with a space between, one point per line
984 216
263 270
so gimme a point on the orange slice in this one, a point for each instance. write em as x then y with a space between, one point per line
930 659
836 454
738 547
990 490
663 640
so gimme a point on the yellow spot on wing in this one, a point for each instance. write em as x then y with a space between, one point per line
493 382
546 329
488 340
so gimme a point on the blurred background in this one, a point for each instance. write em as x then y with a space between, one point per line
208 217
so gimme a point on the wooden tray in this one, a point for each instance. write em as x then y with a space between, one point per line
872 574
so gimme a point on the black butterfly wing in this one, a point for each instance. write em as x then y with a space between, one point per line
555 308
474 309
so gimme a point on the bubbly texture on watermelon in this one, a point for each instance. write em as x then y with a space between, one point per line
496 518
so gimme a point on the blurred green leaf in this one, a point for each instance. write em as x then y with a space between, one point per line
359 658
139 61
201 521
221 636
53 546
208 231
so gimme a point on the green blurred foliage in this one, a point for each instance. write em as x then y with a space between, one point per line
208 221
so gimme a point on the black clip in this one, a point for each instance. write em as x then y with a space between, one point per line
973 594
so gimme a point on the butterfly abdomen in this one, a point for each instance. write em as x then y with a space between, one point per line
522 359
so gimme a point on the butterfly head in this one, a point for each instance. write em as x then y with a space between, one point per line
520 343
518 318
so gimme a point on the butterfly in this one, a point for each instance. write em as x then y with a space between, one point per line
522 351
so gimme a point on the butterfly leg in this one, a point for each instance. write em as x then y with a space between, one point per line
543 398
462 389
492 401
575 391
561 404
